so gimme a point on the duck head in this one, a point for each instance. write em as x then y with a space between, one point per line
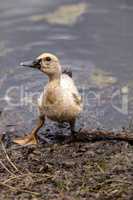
47 63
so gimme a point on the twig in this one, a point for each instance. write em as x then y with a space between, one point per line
17 189
6 168
29 174
14 177
101 170
9 160
10 187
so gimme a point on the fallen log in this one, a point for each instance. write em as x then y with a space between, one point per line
92 135
84 135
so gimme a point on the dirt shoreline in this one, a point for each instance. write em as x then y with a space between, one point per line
74 171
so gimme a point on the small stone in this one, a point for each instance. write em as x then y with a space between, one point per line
68 164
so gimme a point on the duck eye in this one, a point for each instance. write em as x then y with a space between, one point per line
48 59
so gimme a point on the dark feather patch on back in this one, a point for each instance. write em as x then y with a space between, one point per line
67 71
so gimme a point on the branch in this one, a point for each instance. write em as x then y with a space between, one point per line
92 135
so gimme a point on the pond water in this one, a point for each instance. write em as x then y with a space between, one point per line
94 37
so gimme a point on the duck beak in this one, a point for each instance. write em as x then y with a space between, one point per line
33 64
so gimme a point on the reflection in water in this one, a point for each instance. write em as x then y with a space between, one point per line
64 15
84 35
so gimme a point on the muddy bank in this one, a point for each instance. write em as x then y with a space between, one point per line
93 170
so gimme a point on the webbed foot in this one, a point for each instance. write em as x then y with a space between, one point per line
26 140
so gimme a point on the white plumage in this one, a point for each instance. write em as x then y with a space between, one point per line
66 104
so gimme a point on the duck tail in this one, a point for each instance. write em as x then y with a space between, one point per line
67 71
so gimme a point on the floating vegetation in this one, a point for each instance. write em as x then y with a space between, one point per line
4 50
63 15
102 78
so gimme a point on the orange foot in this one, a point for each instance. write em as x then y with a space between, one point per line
27 140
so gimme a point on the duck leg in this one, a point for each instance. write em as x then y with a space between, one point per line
32 137
72 127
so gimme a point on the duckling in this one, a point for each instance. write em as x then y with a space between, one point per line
60 100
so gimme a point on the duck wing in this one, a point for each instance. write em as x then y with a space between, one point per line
77 98
69 89
67 70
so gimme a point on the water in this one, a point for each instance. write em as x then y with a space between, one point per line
96 41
